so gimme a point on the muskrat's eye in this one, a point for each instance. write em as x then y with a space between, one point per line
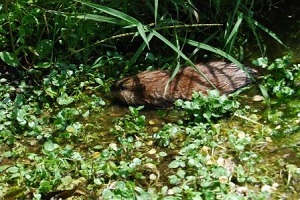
122 87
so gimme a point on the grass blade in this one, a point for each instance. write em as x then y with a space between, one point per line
139 51
112 12
230 39
270 33
127 18
101 18
155 11
217 51
180 53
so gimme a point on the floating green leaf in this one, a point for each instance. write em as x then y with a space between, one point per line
50 146
13 170
64 99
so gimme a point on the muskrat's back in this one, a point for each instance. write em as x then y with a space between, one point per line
149 87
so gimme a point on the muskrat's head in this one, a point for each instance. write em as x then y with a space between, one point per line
145 88
129 90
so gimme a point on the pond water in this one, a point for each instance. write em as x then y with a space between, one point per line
284 20
161 152
275 125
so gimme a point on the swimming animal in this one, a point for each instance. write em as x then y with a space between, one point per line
150 87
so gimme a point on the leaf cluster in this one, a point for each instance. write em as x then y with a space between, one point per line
282 79
207 107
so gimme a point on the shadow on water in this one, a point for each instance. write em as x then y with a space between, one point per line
284 20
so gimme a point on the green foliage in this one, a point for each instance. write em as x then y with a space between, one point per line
229 37
207 107
198 172
67 143
9 58
131 124
282 79
57 137
169 135
279 86
23 112
37 34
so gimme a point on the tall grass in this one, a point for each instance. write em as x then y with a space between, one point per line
80 31
239 20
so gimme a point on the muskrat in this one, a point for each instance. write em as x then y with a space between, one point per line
149 87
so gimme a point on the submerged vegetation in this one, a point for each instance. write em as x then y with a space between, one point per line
63 137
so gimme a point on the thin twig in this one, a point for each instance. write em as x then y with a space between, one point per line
133 33
248 119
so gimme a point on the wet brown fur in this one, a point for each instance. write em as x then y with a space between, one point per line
148 87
